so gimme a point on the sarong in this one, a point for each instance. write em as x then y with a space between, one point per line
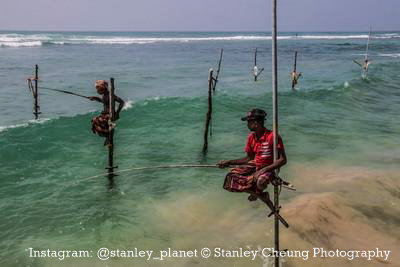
241 179
100 124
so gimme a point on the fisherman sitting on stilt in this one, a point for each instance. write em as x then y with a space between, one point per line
364 65
101 124
257 169
295 77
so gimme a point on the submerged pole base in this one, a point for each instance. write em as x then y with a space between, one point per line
111 168
111 176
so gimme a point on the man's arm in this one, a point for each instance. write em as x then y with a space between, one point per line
95 98
357 63
120 106
277 164
225 163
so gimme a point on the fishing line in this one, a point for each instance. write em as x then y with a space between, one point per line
280 181
151 167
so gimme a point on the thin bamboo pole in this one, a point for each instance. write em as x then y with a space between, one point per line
255 65
111 134
369 39
36 93
209 112
275 123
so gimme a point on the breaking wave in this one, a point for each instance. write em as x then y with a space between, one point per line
24 124
30 39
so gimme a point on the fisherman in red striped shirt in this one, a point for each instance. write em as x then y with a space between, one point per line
257 169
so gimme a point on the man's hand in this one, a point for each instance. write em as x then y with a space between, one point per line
223 163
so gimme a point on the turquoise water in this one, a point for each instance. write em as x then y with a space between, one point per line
335 122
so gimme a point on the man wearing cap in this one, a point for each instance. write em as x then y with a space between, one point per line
100 123
256 170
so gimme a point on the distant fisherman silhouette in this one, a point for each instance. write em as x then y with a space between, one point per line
364 65
101 124
295 77
256 170
255 71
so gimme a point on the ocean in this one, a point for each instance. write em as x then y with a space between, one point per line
341 135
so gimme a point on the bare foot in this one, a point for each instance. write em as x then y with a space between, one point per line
252 198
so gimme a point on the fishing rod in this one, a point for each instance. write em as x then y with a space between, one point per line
65 92
53 89
152 167
280 181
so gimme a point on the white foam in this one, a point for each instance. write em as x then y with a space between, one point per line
23 40
389 35
24 124
390 55
361 36
128 104
3 128
147 40
21 44
27 40
151 99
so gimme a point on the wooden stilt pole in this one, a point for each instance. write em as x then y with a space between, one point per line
275 123
111 166
255 57
369 39
255 66
36 93
219 68
208 116
365 64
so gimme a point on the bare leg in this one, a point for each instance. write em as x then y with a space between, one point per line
261 184
263 196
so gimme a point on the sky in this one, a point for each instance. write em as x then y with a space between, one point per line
198 15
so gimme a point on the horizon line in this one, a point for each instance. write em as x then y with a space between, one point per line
190 31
